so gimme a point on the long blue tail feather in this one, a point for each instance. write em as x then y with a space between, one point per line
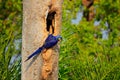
35 53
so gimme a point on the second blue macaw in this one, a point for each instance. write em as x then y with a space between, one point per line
49 42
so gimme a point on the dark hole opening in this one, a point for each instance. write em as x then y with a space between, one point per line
50 21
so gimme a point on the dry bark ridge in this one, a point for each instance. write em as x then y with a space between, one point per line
40 17
89 12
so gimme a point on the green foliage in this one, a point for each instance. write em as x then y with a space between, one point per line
10 31
84 54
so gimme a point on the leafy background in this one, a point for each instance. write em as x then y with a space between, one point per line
85 53
10 39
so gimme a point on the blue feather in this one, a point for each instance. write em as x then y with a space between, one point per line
35 53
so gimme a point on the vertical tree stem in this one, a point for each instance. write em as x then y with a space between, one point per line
37 18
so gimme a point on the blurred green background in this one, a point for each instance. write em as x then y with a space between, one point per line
90 50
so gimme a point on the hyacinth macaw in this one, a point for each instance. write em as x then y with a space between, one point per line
49 42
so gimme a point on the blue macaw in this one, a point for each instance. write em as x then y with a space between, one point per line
49 42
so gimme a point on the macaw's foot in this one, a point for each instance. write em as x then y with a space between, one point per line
44 50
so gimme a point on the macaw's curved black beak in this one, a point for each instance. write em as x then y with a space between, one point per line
59 38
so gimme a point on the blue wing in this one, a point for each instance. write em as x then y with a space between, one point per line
50 36
50 41
35 53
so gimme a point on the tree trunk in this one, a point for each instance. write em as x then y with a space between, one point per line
89 9
40 17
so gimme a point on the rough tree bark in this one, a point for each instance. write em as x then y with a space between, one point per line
40 17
